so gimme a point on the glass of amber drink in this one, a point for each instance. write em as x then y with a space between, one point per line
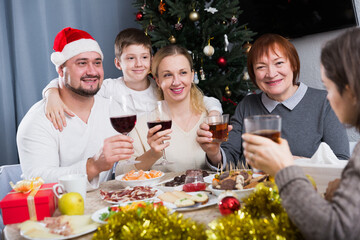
264 125
218 127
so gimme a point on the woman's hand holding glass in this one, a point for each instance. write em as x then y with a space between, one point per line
265 154
159 122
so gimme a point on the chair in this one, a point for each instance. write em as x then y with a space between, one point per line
7 173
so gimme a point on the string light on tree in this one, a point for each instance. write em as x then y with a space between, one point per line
227 91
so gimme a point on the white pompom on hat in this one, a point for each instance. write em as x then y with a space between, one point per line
70 42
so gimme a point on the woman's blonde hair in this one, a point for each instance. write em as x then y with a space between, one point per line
196 95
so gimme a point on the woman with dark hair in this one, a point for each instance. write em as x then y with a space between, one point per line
337 216
307 118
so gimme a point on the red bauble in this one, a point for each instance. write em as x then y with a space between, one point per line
139 16
221 62
229 205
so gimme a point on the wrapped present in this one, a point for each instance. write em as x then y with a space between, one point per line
35 205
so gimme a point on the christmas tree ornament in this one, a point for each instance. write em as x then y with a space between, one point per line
143 6
224 22
246 76
151 27
221 62
194 15
139 16
209 50
202 74
196 78
227 91
211 10
172 39
161 7
229 205
261 217
247 46
226 40
233 20
178 26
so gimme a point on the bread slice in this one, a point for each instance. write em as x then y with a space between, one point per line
181 194
184 202
168 197
200 197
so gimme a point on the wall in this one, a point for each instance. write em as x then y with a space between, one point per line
309 48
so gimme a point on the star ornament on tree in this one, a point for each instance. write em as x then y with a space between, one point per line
211 10
162 7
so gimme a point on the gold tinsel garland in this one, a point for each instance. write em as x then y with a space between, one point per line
262 217
150 222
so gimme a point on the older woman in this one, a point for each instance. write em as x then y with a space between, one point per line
317 218
307 117
172 68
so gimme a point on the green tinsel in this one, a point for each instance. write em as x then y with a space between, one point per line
150 222
262 217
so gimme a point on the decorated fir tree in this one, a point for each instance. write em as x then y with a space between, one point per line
211 31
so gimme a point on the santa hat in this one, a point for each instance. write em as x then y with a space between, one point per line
70 42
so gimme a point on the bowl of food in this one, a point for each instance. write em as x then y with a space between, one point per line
140 178
240 182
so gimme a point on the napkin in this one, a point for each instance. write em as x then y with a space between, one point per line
323 155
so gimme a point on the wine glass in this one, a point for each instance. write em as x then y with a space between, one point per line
123 116
160 115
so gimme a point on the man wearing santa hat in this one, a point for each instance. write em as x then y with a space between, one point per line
88 144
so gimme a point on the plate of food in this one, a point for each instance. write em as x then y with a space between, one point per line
102 215
241 182
140 178
130 194
62 227
180 180
187 201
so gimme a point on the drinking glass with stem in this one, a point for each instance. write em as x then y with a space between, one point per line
123 116
160 115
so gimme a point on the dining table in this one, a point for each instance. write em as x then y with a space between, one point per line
94 202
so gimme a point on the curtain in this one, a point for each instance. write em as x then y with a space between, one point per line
27 32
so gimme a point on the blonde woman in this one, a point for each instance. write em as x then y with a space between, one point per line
172 68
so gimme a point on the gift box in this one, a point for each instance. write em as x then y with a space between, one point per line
18 207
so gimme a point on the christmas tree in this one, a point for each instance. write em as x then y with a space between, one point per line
210 30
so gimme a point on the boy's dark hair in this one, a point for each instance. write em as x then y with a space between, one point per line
131 36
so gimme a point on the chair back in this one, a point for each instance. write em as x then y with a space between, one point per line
8 173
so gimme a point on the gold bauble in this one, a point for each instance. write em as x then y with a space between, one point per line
194 16
172 39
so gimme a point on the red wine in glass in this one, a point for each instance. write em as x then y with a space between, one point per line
160 115
123 124
166 124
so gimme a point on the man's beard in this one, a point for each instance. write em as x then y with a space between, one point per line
84 92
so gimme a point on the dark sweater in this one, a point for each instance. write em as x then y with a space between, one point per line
311 122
